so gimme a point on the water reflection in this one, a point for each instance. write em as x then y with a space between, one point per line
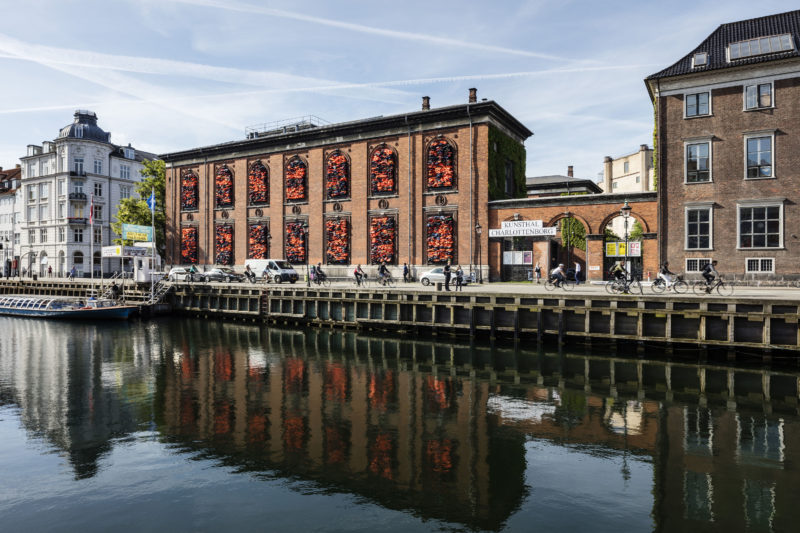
448 432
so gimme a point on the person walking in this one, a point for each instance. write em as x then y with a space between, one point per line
72 272
49 271
447 276
577 273
249 274
459 279
537 271
405 273
359 274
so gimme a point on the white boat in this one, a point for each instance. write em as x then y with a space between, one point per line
47 307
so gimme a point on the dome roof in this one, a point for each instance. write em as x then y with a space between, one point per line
84 127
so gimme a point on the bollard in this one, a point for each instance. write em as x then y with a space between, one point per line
439 286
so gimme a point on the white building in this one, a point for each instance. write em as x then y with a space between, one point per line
62 180
10 195
629 173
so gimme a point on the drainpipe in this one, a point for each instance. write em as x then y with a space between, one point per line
471 200
410 193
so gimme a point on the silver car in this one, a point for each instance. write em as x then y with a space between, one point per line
436 275
182 274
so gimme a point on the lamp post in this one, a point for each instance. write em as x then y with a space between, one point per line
478 231
625 212
305 244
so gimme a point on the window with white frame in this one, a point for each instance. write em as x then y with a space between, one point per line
98 213
77 235
61 234
697 104
43 235
98 235
700 59
16 238
77 165
77 186
31 193
626 167
759 265
31 236
760 45
62 209
44 191
31 213
62 187
124 192
43 212
98 166
98 189
698 228
758 96
759 156
696 264
761 226
31 170
698 168
125 172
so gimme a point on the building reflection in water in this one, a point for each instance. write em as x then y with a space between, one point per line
439 430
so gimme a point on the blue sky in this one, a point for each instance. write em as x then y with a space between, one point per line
168 75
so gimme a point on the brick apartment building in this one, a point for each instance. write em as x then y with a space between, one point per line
407 188
728 151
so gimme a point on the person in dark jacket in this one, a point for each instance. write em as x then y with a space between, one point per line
447 276
405 273
459 278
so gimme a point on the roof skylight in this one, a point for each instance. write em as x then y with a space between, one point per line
700 59
761 45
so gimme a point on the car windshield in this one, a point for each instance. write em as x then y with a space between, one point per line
227 271
283 265
436 270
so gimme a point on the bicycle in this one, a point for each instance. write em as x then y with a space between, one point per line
679 286
703 288
322 281
550 284
624 286
386 281
365 282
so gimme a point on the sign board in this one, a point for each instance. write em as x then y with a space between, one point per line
522 232
617 249
594 267
132 232
124 251
520 224
527 258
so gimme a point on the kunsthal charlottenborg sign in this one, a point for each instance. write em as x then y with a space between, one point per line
522 228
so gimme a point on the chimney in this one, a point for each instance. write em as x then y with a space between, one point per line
608 174
643 148
19 165
569 171
473 95
426 103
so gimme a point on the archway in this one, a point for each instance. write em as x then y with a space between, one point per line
77 262
62 263
622 242
43 264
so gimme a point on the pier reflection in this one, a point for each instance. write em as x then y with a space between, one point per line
439 430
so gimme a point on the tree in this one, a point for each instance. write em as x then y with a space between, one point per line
134 210
637 231
573 233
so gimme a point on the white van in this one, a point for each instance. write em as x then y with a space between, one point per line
279 270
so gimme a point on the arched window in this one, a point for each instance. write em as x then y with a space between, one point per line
258 184
337 242
441 238
189 192
77 261
295 242
223 187
337 176
257 245
296 174
441 165
382 239
383 170
189 245
223 244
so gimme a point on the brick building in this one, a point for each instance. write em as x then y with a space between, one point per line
399 189
728 151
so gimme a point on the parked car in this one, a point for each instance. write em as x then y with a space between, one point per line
436 275
223 274
279 270
183 274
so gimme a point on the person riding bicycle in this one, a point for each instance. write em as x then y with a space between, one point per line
319 275
558 275
249 274
709 273
618 271
359 274
265 274
383 272
665 274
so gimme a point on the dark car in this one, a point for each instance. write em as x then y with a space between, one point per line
223 274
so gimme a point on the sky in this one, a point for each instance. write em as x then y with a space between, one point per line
167 75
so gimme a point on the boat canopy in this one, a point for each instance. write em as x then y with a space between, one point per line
34 304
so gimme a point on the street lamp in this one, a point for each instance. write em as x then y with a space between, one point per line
305 244
625 212
478 231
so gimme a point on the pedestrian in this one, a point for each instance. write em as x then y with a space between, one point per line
538 271
49 271
249 274
72 273
405 273
447 276
114 290
459 278
577 273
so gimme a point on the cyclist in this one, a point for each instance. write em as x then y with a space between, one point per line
249 274
359 274
558 275
618 271
665 274
383 272
709 273
192 272
319 275
265 274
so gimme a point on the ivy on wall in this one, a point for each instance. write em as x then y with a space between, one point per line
655 144
573 233
503 148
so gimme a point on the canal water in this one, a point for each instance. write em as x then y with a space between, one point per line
188 425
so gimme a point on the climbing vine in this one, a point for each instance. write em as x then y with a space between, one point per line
503 150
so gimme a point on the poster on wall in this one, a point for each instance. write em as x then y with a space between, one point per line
527 258
508 258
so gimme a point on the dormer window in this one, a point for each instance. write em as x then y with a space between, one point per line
700 59
761 45
129 154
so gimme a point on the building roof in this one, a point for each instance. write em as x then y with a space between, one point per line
716 44
84 127
556 182
476 112
7 177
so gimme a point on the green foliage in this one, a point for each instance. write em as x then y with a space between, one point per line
573 233
507 149
655 144
609 235
637 231
134 210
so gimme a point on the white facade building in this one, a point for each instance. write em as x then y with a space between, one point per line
10 194
62 180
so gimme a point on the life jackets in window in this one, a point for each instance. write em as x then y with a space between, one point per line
382 170
189 192
189 245
382 232
338 242
258 184
223 243
295 242
296 172
257 241
441 239
223 187
441 164
337 176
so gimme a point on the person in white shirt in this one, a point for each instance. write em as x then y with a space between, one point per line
558 274
577 273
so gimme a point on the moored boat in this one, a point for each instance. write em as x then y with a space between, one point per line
64 308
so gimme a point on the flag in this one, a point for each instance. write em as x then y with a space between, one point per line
91 211
151 202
